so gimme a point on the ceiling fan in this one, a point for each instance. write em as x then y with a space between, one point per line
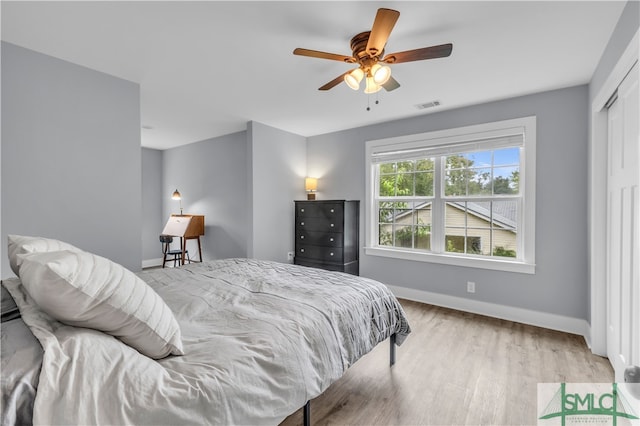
368 53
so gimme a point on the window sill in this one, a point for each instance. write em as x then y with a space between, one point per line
449 259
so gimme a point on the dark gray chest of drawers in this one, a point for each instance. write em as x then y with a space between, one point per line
326 235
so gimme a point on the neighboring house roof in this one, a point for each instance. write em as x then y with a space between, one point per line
504 214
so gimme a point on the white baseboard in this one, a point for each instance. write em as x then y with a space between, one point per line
151 262
526 316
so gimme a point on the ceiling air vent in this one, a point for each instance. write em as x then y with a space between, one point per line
428 105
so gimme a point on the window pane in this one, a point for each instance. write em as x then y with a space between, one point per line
475 237
387 184
478 214
506 180
505 214
458 162
423 212
506 157
385 235
504 238
385 212
480 181
455 183
405 166
403 214
425 165
405 184
454 243
423 238
387 168
479 159
424 184
423 230
403 236
454 215
503 251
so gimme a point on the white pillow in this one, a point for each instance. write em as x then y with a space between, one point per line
19 244
85 290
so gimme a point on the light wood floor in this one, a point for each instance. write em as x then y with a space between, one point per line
456 368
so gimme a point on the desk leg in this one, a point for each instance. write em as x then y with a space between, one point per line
199 249
183 243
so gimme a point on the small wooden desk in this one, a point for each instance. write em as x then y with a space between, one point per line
187 227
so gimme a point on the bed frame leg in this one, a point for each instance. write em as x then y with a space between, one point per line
306 414
392 350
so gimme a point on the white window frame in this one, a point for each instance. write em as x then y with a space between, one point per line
525 126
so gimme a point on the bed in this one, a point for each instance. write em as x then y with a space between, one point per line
258 341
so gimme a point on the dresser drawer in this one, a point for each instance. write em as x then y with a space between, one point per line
332 254
327 239
320 209
338 267
319 224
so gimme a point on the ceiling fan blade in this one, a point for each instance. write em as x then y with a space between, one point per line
432 52
382 26
391 84
333 83
323 55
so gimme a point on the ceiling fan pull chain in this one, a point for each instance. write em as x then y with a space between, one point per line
368 98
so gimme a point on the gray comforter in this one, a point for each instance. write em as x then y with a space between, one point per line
260 339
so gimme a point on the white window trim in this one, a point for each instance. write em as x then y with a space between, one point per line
526 125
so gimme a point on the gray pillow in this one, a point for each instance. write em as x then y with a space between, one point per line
9 310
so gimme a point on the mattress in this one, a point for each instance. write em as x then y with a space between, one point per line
260 339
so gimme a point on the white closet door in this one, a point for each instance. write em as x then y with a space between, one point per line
623 233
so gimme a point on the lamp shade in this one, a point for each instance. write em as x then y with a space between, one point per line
176 195
371 87
354 78
311 184
381 74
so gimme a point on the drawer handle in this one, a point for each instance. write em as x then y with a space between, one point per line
331 239
331 225
302 210
331 254
331 210
301 223
301 250
302 237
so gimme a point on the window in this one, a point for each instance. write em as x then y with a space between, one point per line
462 196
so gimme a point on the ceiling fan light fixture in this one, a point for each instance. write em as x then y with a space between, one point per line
381 74
354 78
371 87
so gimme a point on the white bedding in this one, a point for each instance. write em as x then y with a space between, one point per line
260 339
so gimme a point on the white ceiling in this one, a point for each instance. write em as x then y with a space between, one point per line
205 68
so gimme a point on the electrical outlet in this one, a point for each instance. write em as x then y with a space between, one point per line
471 287
290 256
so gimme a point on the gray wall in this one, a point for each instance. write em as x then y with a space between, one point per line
244 184
278 164
211 176
152 196
559 285
71 161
